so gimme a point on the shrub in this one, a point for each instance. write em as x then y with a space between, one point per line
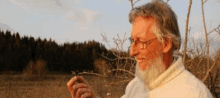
28 71
198 67
39 68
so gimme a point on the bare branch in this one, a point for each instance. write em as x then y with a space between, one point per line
136 2
119 49
133 3
91 73
124 71
186 31
113 83
210 69
200 61
204 1
119 45
117 58
217 29
206 35
104 38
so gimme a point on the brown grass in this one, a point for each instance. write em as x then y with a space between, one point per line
54 86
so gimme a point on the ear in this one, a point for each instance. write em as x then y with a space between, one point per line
167 45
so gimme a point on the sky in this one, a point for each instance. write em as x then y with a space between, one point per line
84 20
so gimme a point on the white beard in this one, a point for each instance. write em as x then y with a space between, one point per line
154 69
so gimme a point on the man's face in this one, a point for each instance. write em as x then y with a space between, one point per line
143 31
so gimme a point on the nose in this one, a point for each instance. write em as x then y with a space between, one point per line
133 50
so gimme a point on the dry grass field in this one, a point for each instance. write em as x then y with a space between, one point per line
54 86
32 83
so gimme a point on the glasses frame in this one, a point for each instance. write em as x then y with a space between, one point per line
146 43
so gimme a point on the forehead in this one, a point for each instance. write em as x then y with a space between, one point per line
143 28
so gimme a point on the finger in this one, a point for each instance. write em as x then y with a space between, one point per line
86 95
72 95
83 80
77 86
71 82
81 91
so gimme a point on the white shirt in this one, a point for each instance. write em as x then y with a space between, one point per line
175 82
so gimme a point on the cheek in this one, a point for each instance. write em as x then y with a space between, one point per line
152 52
155 46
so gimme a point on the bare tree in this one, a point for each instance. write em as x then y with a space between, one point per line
186 31
133 3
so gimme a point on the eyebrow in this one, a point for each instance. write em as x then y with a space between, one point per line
130 38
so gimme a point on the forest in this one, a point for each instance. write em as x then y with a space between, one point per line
17 52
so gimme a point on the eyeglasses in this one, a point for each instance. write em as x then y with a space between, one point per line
141 44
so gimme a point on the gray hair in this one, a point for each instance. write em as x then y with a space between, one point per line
164 17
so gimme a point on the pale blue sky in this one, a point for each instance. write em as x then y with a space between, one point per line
83 20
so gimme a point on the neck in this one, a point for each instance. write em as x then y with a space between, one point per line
168 59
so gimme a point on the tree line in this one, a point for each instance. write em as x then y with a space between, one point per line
16 52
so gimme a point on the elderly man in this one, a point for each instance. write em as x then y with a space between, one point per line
159 73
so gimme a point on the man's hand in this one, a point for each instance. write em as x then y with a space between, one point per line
81 89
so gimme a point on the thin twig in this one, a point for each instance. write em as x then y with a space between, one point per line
124 71
91 73
210 69
136 2
206 35
186 31
200 61
119 82
117 58
204 1
217 29
132 4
